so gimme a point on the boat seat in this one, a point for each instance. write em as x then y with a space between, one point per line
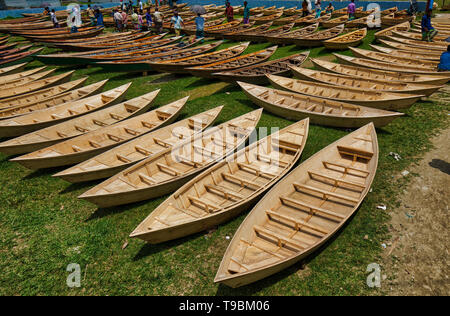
123 158
76 148
325 193
256 171
142 150
61 134
336 181
280 240
81 129
131 131
186 211
99 123
355 152
243 182
271 160
204 149
167 169
298 223
116 116
196 124
189 162
114 138
161 142
327 165
226 194
209 207
127 182
55 117
245 241
73 112
299 204
146 179
94 144
106 98
147 124
163 115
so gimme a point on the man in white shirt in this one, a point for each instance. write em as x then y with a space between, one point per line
177 21
118 18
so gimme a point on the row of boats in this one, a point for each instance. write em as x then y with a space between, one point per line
144 152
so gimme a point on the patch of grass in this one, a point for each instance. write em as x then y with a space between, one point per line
44 227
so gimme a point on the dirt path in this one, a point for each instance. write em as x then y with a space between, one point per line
416 260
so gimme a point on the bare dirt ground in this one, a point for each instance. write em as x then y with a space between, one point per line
416 259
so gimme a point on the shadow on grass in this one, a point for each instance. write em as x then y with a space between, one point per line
77 186
257 286
43 172
151 249
108 211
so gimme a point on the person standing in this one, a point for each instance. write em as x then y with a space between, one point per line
134 19
177 21
124 20
309 6
329 8
158 20
90 14
444 64
140 20
428 31
54 19
229 12
199 26
118 19
99 17
246 12
351 10
304 8
148 18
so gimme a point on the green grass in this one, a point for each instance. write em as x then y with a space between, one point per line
44 227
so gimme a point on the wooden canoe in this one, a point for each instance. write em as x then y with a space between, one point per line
54 31
245 35
142 63
389 66
267 18
19 56
360 23
40 95
272 11
292 11
364 97
334 22
316 39
340 12
85 34
382 34
37 120
9 52
418 55
210 31
372 73
191 29
347 40
389 11
226 189
180 65
311 19
19 75
94 142
364 53
261 36
119 158
285 20
220 33
207 70
418 37
165 172
51 101
394 19
410 48
12 69
256 74
36 85
303 211
433 46
291 37
364 84
25 81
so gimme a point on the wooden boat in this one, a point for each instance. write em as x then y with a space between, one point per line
21 20
417 46
238 28
364 84
302 211
388 66
360 23
335 22
165 172
8 46
84 34
256 74
19 56
226 189
363 13
142 63
245 35
316 39
364 97
295 106
19 75
36 85
346 40
364 53
54 31
382 34
9 52
311 19
256 10
207 70
291 37
210 31
180 65
394 19
372 73
398 49
389 11
122 52
261 36
418 37
267 18
12 69
292 11
37 120
51 101
272 11
94 142
441 32
25 81
28 26
40 95
285 20
119 158
190 29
